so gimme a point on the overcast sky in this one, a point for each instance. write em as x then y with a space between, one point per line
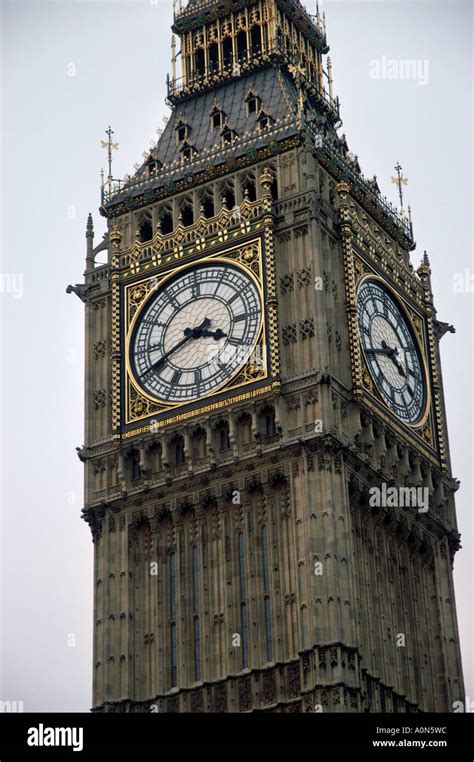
70 69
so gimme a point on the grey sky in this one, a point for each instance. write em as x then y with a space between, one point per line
52 124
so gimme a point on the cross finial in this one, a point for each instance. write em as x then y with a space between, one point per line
110 146
399 180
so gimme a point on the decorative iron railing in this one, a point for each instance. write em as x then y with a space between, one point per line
197 7
193 164
209 77
362 188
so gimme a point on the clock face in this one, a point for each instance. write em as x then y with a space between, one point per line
196 332
391 351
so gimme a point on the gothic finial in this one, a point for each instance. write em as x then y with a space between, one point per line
266 179
410 220
173 56
90 241
115 237
424 270
330 78
343 189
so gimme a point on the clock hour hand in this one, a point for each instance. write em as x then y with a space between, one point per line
399 366
391 352
198 331
218 334
189 333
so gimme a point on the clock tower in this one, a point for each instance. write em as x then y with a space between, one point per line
267 473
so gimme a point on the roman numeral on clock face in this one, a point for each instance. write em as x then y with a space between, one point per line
196 287
150 322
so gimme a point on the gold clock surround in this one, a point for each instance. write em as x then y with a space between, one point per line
428 431
253 256
417 334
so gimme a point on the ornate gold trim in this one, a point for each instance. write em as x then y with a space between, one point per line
272 299
343 190
357 269
406 310
219 404
248 255
436 384
184 241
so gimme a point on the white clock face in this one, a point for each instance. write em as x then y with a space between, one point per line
196 333
391 351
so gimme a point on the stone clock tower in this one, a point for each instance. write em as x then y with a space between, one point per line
261 361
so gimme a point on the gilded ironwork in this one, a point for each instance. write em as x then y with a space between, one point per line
249 255
356 269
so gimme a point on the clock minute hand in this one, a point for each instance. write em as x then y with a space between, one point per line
167 354
189 333
380 351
